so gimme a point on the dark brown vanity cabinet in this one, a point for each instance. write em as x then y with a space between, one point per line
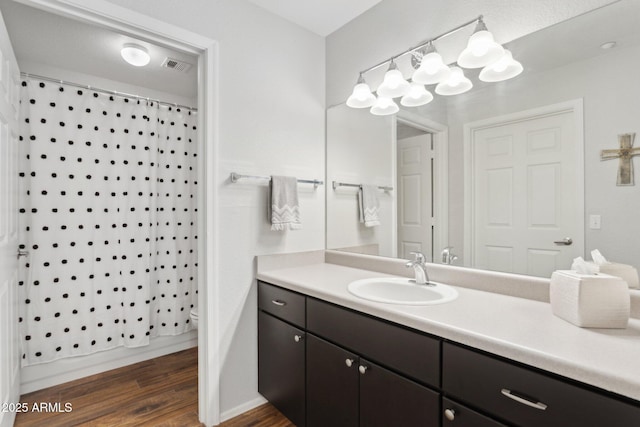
346 390
324 365
281 351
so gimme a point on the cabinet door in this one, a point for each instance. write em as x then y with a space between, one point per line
387 399
281 354
457 415
332 385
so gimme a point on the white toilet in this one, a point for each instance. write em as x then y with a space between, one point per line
194 317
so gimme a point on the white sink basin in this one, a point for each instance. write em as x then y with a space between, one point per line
401 291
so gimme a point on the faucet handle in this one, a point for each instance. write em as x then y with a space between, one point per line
419 257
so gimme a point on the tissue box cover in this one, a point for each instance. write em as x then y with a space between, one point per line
590 300
626 272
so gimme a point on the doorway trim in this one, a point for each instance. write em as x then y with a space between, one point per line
575 106
440 174
126 21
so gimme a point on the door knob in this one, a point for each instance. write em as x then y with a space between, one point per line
567 241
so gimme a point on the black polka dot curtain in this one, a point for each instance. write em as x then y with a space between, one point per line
108 214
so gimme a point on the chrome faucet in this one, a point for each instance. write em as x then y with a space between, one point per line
420 268
448 257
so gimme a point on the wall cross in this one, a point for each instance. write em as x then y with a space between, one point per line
625 154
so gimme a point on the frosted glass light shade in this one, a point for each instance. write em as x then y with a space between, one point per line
481 50
384 107
432 69
394 84
136 55
503 69
456 84
361 96
416 95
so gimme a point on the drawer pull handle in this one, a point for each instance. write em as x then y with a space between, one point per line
362 369
297 338
348 362
450 414
519 399
278 302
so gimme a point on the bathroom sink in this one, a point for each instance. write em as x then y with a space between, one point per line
401 291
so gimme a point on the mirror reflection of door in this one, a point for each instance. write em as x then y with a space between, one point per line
415 191
525 174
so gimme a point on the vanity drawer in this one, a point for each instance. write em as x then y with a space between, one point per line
282 303
527 397
457 415
408 352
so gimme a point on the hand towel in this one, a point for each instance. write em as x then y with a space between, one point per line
368 204
285 209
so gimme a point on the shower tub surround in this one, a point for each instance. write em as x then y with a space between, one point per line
504 314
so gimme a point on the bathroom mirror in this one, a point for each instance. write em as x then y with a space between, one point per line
567 67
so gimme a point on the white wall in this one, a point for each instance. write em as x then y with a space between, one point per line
361 148
272 100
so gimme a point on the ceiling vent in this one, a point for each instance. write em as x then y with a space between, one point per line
176 65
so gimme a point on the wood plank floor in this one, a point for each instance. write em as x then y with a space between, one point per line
161 392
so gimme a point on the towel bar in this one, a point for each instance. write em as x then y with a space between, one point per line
337 184
234 177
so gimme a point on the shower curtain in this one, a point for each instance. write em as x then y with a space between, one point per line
108 215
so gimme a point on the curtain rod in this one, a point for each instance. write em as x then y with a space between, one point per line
108 92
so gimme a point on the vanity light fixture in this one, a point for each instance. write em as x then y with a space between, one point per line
416 95
503 69
136 55
456 84
384 107
481 49
432 68
394 84
361 96
429 68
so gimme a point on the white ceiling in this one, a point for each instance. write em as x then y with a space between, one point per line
322 17
58 42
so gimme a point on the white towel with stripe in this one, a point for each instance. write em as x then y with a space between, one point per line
369 205
284 213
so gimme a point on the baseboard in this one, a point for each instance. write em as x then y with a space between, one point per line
234 412
37 377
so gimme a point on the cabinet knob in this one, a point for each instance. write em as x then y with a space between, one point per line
450 414
348 362
297 338
362 369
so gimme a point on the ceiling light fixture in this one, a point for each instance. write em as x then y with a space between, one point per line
429 68
135 54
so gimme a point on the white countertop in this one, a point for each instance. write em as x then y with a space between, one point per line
516 328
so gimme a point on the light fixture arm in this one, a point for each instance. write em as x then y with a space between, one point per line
425 43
